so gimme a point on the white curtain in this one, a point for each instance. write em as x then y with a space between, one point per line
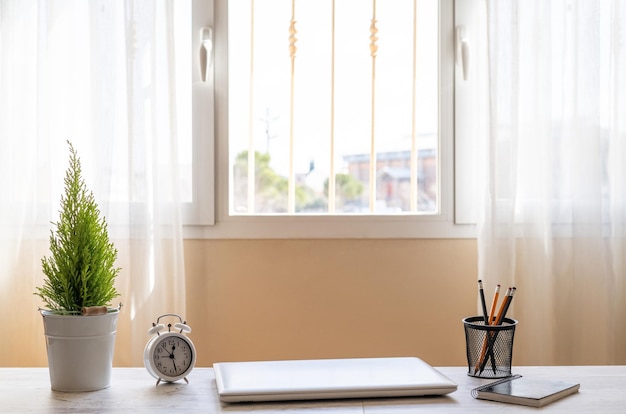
555 195
98 73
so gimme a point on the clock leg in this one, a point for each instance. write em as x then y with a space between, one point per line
186 380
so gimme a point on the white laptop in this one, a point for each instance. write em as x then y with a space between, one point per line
328 379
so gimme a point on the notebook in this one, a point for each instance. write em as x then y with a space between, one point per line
534 392
328 379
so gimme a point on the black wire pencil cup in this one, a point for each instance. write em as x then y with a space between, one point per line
489 338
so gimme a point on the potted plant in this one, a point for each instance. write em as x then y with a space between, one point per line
78 288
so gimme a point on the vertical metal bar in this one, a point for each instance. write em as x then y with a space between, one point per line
251 187
373 52
291 195
331 174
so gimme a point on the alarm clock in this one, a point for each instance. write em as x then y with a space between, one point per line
169 356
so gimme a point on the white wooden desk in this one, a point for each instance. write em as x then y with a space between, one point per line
133 390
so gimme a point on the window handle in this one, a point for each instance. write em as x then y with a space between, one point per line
206 49
462 50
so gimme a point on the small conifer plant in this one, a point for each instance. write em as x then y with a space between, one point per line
80 271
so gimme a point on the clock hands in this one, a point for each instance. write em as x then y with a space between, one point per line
171 356
174 358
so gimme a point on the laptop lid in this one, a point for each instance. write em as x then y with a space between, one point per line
328 379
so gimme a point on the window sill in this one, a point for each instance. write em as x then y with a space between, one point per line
317 227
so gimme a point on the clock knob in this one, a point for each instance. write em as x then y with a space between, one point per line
156 329
182 327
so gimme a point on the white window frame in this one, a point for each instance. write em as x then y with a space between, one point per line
201 211
442 225
470 108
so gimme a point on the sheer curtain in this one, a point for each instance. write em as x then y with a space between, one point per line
555 200
97 73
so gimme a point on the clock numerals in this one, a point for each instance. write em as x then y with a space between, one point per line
172 356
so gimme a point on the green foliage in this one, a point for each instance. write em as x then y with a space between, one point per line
271 188
80 271
348 187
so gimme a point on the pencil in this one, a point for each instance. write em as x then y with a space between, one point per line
485 317
482 302
508 303
494 304
493 335
504 306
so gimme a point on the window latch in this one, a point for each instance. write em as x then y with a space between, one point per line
462 50
206 50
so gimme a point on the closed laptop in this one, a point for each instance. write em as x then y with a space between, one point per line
328 379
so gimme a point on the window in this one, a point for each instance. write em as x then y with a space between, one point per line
411 193
333 107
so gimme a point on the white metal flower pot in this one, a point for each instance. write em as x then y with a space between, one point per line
80 350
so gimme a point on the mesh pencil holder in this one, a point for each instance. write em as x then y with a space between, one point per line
489 347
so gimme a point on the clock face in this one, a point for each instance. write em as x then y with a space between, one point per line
172 356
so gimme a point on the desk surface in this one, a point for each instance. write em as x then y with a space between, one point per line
27 390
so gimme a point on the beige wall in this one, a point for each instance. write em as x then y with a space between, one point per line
281 299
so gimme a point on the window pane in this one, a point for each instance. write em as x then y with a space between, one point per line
356 83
